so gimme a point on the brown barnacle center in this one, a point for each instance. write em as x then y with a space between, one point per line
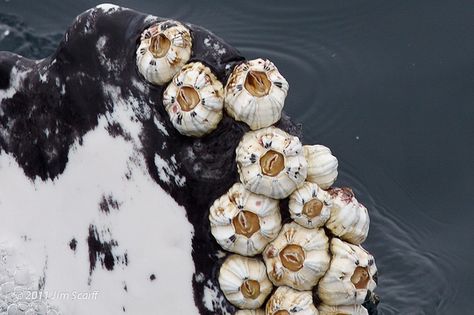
159 45
272 163
313 208
360 278
187 98
246 223
257 83
250 289
282 312
292 257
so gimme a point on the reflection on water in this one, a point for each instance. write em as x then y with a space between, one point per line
376 81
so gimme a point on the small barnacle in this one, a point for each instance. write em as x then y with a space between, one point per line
342 310
194 100
255 93
349 277
287 301
271 162
243 222
244 281
250 312
298 257
349 219
163 50
310 206
322 165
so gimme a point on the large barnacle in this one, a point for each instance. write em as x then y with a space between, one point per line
287 301
322 165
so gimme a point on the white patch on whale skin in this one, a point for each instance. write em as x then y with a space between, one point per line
108 8
213 299
40 218
17 77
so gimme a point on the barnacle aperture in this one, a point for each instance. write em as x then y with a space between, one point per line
250 289
313 208
257 83
272 163
292 257
246 223
188 98
360 278
159 45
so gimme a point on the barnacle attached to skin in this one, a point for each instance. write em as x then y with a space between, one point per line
287 301
244 281
250 312
163 50
194 100
349 277
271 162
243 222
349 219
255 93
322 165
342 310
298 257
310 206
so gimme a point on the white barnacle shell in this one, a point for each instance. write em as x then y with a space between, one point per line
250 312
194 100
310 206
244 281
243 222
255 93
163 50
350 275
322 165
342 310
349 219
298 257
286 301
271 162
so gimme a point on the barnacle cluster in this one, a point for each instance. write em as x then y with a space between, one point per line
318 252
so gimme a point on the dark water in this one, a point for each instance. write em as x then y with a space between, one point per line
387 85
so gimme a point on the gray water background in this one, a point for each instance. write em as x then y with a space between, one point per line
387 85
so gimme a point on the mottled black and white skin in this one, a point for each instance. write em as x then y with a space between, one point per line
98 191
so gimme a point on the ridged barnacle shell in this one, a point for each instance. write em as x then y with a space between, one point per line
322 165
287 301
342 310
255 93
350 275
298 257
194 100
163 50
244 281
349 219
271 162
250 312
310 206
243 222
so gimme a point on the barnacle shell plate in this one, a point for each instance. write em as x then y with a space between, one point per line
271 162
349 219
194 100
350 275
244 281
322 165
163 50
243 222
310 206
286 301
250 312
255 93
298 257
342 310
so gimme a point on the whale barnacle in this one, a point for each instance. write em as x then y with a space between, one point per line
255 93
287 301
322 165
163 50
310 206
271 162
342 310
244 281
194 100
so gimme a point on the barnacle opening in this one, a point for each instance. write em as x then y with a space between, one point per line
292 257
282 312
257 83
188 98
159 45
360 278
272 163
246 223
313 208
250 289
